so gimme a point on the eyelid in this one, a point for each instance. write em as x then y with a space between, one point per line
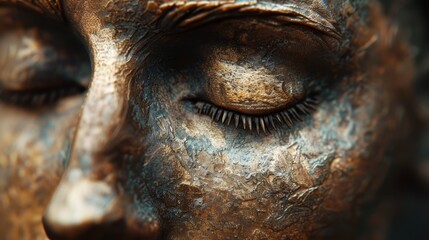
256 90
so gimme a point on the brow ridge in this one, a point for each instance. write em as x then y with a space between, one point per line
51 7
180 15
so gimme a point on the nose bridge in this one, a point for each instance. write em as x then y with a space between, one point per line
103 113
88 193
105 106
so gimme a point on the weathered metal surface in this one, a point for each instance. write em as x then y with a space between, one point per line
132 119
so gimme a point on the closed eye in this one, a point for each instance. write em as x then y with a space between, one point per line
259 123
42 60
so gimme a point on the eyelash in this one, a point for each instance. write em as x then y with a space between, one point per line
39 98
267 123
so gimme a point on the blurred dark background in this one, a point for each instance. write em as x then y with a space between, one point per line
411 189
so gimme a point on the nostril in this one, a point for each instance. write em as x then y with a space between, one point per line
51 234
114 230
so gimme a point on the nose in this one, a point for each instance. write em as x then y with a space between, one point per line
89 209
83 209
91 201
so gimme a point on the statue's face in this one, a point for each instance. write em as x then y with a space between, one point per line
194 120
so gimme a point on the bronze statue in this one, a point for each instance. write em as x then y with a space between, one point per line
128 119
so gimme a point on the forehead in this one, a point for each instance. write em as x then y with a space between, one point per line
118 7
132 19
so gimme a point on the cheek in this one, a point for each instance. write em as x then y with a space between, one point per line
344 153
32 152
209 179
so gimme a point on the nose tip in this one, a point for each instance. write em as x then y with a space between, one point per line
80 206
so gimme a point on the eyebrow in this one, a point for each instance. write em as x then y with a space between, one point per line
182 15
51 7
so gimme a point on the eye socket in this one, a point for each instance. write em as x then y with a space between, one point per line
41 60
251 73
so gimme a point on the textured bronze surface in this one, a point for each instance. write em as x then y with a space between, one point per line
128 119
